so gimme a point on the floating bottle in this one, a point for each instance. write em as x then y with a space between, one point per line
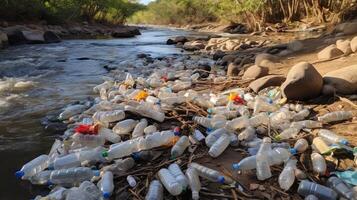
247 134
341 187
214 136
263 166
210 174
131 181
155 192
72 176
301 115
288 133
194 182
219 146
318 163
109 135
331 137
71 111
319 145
107 184
335 116
309 188
124 127
238 123
203 121
150 129
85 140
41 178
169 182
300 146
139 128
34 166
106 117
287 176
179 148
180 177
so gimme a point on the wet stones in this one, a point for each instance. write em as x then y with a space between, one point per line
233 70
342 81
329 52
303 82
194 45
266 60
175 40
295 46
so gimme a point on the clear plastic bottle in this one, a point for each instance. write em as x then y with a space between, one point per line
71 111
288 133
233 138
194 182
41 178
214 136
169 182
299 174
210 174
106 117
88 140
107 184
203 121
335 116
301 115
198 135
72 175
263 166
155 192
237 123
109 135
287 176
257 120
218 121
253 143
34 166
120 166
152 100
131 181
331 137
164 138
219 146
147 110
139 128
124 127
150 129
320 145
311 197
247 134
306 124
75 159
307 188
202 102
180 177
90 190
318 163
121 149
341 187
180 85
180 146
247 163
300 146
262 106
280 116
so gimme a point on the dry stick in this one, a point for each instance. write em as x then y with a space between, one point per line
234 194
276 189
136 195
347 101
216 195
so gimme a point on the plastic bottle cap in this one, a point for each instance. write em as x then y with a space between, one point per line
105 154
221 179
209 116
49 183
209 130
277 137
344 142
96 172
293 151
236 166
19 174
135 156
106 195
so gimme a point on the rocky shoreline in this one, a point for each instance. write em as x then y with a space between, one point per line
40 34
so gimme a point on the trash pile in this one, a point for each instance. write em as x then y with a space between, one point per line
144 135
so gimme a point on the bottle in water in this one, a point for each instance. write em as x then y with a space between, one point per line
85 140
318 163
106 117
72 175
259 119
219 146
107 184
300 146
169 182
155 192
287 176
331 137
180 146
214 136
263 166
41 178
150 129
203 121
194 182
139 128
335 116
109 135
131 181
71 111
33 167
247 134
341 187
238 123
211 174
306 124
307 188
180 177
124 127
301 115
320 145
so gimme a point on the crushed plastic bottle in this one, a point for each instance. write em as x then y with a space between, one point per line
257 120
139 128
238 123
180 146
300 146
341 188
309 188
120 166
155 192
72 176
106 117
335 116
180 177
210 174
262 106
169 182
319 145
287 176
288 133
301 115
198 135
331 137
247 134
107 184
306 124
33 167
219 146
124 127
263 166
318 163
194 182
131 181
214 136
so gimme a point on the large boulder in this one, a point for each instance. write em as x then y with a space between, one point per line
266 60
255 72
51 37
348 28
34 37
266 81
122 33
194 45
303 82
329 52
342 81
354 44
175 40
3 40
344 46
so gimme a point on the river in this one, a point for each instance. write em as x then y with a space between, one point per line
38 80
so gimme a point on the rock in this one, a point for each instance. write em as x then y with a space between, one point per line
194 45
231 45
342 81
285 52
295 45
218 55
175 40
227 59
233 70
122 33
354 44
51 37
34 37
3 40
344 46
266 81
329 52
253 186
347 28
266 60
303 82
255 72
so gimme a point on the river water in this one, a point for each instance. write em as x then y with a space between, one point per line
37 80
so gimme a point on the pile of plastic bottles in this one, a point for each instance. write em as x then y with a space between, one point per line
106 138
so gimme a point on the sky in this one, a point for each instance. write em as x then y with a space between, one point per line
145 1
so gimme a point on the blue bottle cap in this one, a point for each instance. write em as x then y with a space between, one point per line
236 166
19 174
209 130
209 116
270 101
221 179
106 195
49 183
177 133
293 151
135 156
344 142
96 172
209 110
